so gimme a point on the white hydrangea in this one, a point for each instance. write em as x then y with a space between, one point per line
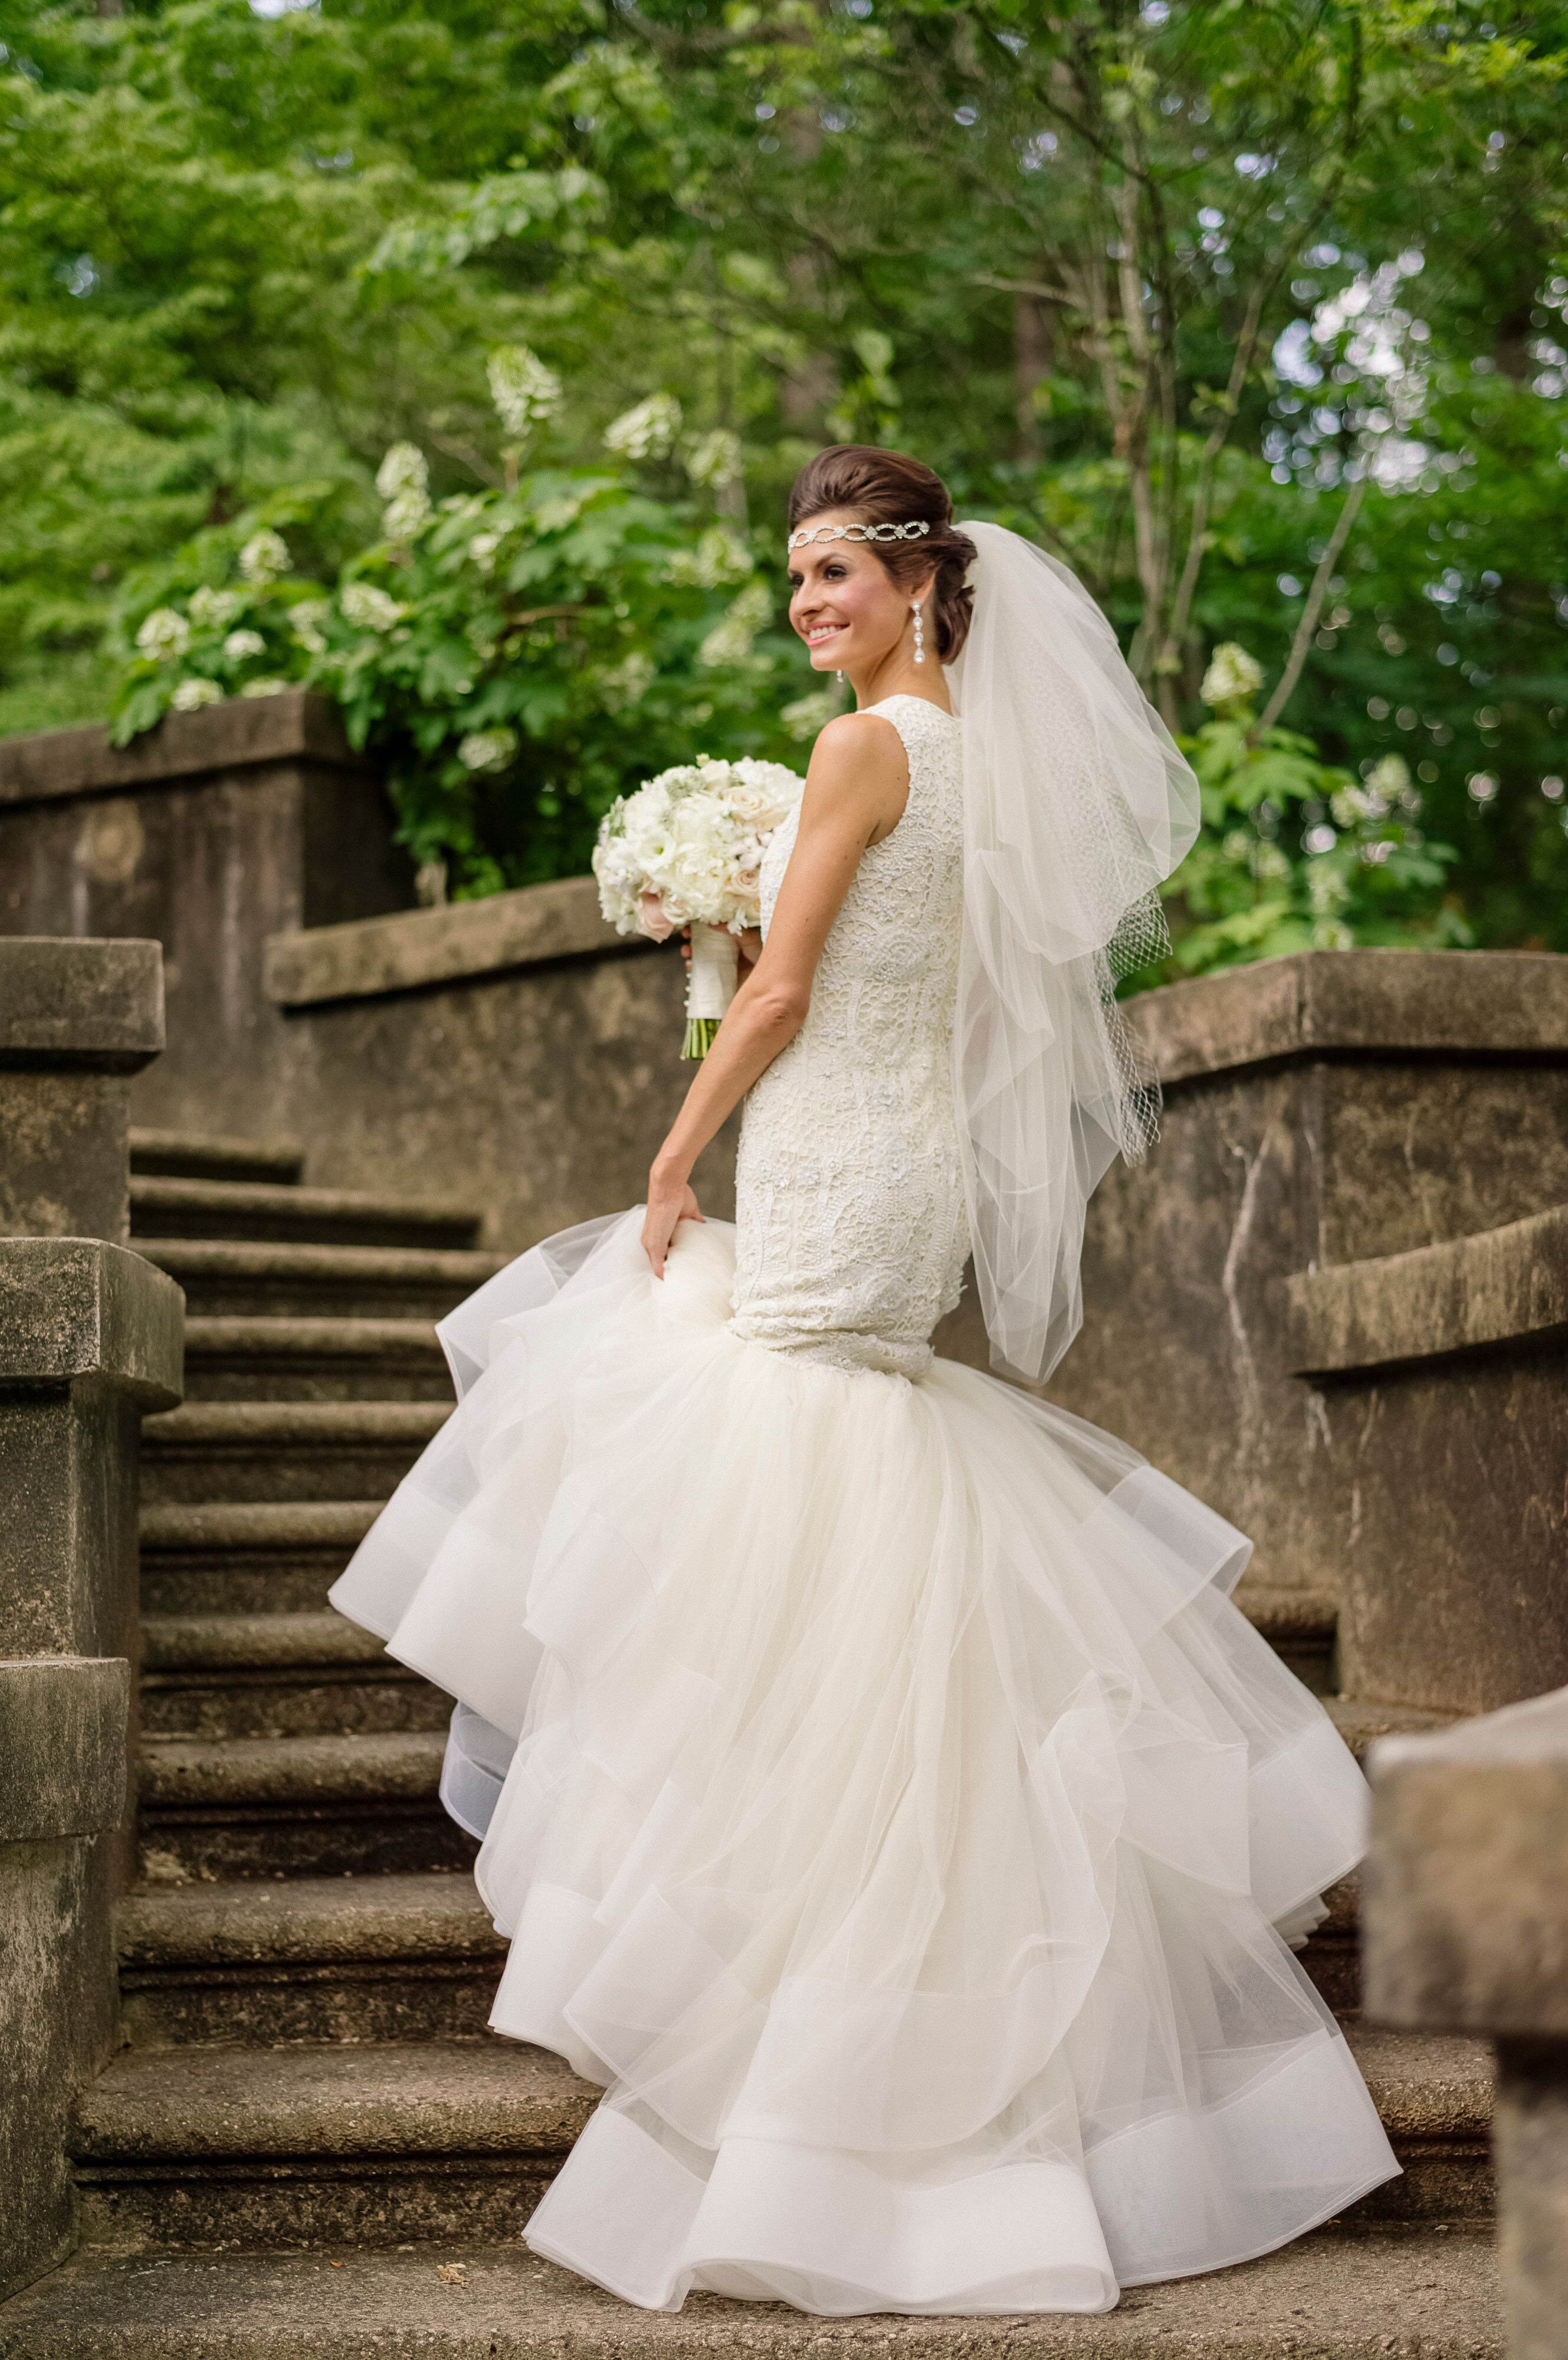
487 749
715 458
241 644
264 688
1327 892
720 555
368 608
810 714
525 393
215 610
1233 677
648 430
264 557
627 683
164 634
403 480
482 550
191 695
729 642
307 617
686 848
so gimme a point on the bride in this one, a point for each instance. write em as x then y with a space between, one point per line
883 1799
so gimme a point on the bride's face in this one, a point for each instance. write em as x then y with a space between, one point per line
843 601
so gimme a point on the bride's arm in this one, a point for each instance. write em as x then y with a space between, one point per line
855 789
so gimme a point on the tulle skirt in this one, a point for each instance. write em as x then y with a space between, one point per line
885 1802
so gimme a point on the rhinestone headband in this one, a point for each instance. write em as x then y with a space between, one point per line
799 539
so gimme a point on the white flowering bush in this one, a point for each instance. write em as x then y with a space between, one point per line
403 480
525 393
264 558
648 430
686 847
1296 853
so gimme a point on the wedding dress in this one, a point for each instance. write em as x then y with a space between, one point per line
883 1796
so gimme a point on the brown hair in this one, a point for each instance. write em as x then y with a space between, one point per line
888 487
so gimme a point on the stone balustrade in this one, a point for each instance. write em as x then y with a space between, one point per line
1466 1929
90 1338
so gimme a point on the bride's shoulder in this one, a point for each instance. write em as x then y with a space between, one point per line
857 741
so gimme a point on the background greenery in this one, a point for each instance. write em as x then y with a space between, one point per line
1160 286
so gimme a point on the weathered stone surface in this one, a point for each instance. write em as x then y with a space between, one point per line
1466 1907
211 833
1320 1110
1533 2165
89 1338
1443 1401
1335 2296
1466 1925
426 946
1503 1286
63 1727
77 1019
293 1451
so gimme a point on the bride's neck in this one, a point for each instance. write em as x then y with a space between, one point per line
899 675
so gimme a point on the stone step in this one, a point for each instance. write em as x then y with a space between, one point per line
247 1556
282 1807
265 1212
317 1959
298 2146
1299 1625
209 1452
262 1358
204 1155
1339 2294
236 1280
216 1676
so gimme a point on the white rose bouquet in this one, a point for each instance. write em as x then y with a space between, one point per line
686 850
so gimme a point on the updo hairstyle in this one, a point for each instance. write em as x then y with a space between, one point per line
874 487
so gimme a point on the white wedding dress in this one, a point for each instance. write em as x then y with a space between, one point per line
883 1798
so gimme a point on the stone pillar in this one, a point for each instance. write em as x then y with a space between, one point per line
1466 1929
1320 1110
1439 1386
210 833
77 1021
89 1339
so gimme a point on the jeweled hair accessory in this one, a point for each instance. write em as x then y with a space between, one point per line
798 540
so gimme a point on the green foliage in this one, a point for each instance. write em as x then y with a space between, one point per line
1299 854
516 659
1154 286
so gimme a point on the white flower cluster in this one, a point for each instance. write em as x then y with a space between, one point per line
648 430
729 642
715 459
487 749
686 848
164 635
306 617
215 610
628 681
403 480
1233 677
191 695
1387 782
264 557
524 391
720 555
808 713
241 644
368 608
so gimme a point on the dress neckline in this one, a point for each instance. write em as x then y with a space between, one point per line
908 696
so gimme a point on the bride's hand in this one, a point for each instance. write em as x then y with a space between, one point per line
671 1201
749 946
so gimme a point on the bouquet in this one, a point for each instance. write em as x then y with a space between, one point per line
686 850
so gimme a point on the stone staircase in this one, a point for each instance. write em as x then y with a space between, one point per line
310 2144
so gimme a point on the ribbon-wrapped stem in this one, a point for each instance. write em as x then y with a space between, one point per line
711 986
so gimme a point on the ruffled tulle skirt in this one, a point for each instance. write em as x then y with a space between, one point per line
885 1802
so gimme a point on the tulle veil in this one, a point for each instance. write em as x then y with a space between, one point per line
1077 805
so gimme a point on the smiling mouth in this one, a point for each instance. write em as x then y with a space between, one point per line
820 633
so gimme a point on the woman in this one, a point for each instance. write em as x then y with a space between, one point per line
884 1798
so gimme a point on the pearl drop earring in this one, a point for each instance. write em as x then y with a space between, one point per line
919 631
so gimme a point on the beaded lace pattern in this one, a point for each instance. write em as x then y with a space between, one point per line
851 1232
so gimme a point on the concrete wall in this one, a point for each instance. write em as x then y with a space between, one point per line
208 835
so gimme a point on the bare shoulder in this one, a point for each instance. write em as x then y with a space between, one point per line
863 745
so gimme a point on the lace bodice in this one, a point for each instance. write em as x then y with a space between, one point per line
851 1229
